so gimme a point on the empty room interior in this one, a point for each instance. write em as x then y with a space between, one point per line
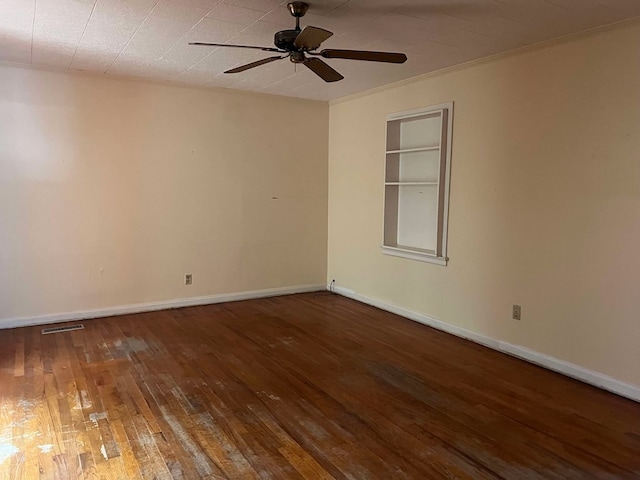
342 239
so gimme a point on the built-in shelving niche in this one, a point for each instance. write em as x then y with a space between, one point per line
417 183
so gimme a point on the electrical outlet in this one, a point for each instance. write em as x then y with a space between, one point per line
517 312
188 279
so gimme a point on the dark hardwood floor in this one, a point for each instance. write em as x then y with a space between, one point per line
308 386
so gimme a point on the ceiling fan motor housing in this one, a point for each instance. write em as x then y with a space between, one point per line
297 57
284 39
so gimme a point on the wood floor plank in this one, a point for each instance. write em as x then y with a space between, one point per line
308 386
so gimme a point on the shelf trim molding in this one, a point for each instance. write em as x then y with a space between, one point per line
414 255
413 150
419 112
409 184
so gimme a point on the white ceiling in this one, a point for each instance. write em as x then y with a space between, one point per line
148 38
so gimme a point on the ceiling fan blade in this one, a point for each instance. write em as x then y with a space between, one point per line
254 64
323 70
311 37
387 57
265 49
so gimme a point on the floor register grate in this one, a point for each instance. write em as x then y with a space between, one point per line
66 328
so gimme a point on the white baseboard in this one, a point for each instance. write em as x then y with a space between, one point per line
566 368
152 306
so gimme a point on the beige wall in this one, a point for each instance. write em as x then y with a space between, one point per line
110 191
545 201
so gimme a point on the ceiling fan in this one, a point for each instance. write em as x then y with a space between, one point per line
296 44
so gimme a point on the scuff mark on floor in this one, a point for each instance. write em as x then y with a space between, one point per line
76 401
270 396
137 345
94 417
199 457
26 404
85 400
20 420
316 430
242 468
45 448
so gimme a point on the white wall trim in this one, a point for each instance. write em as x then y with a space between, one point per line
566 368
152 306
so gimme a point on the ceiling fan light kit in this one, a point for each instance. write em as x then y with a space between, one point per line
296 44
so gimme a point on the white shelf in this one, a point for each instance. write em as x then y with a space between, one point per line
409 184
413 150
415 254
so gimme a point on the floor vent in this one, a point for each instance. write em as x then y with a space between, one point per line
66 328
